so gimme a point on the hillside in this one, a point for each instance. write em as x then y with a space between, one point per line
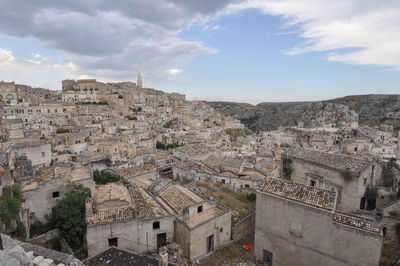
372 110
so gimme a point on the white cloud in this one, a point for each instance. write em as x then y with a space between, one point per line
113 40
351 31
174 71
38 72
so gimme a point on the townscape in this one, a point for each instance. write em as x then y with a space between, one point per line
116 172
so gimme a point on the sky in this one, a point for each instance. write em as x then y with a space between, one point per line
232 50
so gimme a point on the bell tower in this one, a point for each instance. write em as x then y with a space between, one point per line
139 83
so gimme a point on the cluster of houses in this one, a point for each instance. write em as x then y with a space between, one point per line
325 193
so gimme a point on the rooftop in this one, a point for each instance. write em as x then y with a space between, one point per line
312 196
355 222
339 162
197 218
111 191
111 215
142 182
135 171
145 205
177 197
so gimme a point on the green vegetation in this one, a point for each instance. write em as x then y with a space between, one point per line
103 177
346 173
241 203
131 117
162 146
169 124
120 96
216 123
135 110
62 130
69 216
251 197
233 254
250 120
38 228
10 208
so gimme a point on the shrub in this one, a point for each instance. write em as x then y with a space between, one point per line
69 216
104 177
346 173
62 130
251 196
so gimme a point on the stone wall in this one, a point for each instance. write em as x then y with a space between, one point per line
298 234
133 234
244 229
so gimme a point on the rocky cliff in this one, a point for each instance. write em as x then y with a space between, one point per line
371 110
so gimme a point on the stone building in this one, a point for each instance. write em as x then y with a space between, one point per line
50 185
37 151
128 218
7 92
201 226
146 171
350 176
299 225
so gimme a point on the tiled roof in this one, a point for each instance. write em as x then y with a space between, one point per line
177 198
145 205
111 215
339 162
111 191
312 196
135 171
65 172
355 222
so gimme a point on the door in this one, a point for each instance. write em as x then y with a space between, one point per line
210 244
161 240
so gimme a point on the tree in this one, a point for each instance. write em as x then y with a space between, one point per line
69 216
160 146
103 177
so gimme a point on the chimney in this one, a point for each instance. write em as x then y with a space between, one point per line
163 256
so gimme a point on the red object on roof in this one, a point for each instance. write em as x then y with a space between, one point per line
248 246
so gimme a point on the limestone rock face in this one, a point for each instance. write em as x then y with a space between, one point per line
20 255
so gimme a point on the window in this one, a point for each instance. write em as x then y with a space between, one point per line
156 225
223 181
113 242
312 183
199 209
247 185
48 110
221 229
355 149
267 257
43 154
56 194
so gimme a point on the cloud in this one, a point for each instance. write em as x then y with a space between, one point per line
174 71
112 39
350 31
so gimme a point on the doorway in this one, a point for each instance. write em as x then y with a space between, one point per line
210 244
161 240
